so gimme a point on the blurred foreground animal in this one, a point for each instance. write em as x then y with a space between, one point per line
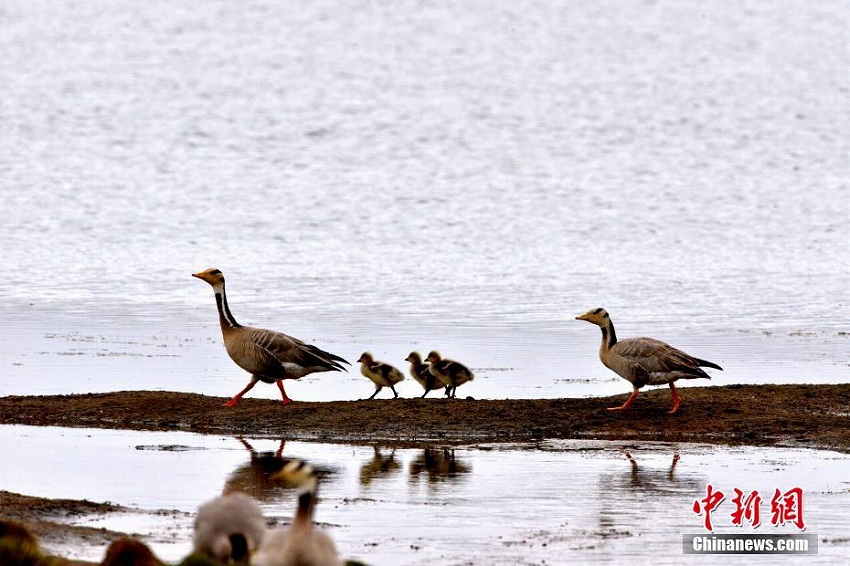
644 361
229 528
299 544
381 374
18 546
129 552
267 355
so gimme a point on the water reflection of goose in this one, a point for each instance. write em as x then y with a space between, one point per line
632 492
655 480
378 467
438 464
254 478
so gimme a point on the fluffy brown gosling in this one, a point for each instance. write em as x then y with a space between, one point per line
450 372
381 374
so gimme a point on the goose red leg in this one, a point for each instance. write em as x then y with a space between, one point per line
627 404
676 400
286 399
239 395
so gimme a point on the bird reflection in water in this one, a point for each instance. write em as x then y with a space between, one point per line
254 478
654 480
437 465
636 478
379 467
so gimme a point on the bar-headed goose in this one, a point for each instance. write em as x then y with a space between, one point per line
381 374
644 361
451 373
299 544
267 355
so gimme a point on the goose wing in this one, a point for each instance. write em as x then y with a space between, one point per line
654 356
289 350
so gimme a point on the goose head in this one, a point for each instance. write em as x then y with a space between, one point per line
297 474
212 276
413 358
598 316
366 358
433 357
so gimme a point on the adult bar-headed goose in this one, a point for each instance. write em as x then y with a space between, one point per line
421 373
451 373
381 374
267 355
299 544
644 361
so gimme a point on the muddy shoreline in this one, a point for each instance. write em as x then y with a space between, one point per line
816 416
813 416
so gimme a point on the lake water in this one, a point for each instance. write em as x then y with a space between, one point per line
546 503
390 176
412 175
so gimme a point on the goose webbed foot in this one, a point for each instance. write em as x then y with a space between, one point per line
627 404
676 400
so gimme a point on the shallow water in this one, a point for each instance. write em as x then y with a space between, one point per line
54 352
503 504
391 176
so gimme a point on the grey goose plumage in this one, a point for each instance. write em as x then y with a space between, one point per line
267 355
644 361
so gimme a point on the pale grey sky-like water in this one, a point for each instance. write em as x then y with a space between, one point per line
403 175
412 175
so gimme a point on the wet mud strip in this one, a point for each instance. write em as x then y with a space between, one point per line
815 416
49 520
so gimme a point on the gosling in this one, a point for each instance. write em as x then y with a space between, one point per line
450 372
381 374
420 372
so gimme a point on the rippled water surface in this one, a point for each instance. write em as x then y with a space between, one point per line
407 175
526 504
390 175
